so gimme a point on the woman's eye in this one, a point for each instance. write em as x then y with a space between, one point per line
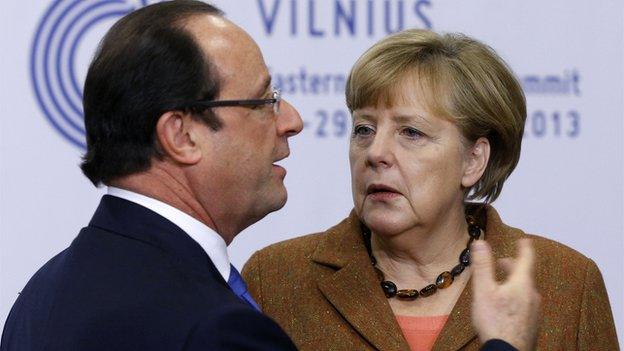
362 130
411 132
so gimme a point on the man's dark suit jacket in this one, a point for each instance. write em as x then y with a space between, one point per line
132 280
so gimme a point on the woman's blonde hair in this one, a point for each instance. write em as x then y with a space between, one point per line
461 79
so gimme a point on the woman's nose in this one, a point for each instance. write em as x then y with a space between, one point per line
380 152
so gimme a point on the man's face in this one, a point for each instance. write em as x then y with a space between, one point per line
239 180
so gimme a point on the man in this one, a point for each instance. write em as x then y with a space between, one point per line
185 130
150 271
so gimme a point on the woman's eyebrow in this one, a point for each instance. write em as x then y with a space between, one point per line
364 116
410 117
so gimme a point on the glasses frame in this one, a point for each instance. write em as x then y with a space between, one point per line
275 101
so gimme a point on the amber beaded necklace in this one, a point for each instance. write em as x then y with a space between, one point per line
443 281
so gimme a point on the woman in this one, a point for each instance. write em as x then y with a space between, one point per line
437 121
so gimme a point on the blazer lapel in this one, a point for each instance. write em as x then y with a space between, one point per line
458 330
353 289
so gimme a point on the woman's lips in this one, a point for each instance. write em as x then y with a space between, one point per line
383 195
381 192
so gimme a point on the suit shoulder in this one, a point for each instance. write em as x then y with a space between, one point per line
273 259
560 270
303 245
554 252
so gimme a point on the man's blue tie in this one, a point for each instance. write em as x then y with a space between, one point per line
239 287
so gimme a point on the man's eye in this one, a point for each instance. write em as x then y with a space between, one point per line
259 106
362 130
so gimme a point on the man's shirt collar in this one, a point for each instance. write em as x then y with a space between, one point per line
206 237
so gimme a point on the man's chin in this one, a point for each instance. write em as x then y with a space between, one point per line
277 199
281 202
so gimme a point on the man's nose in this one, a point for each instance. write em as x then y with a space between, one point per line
289 120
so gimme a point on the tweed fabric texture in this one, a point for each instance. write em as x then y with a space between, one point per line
322 290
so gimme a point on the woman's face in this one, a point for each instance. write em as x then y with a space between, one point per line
408 167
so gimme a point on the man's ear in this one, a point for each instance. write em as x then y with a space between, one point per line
476 161
178 135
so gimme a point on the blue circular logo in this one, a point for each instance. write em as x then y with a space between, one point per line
53 59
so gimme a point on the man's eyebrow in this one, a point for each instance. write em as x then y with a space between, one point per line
265 87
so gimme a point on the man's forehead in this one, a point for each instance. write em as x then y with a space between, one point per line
215 34
231 50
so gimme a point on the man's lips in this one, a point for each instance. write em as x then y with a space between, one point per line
281 171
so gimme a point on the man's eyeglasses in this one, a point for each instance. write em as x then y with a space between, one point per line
275 101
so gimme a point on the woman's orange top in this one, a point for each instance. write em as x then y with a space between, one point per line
421 332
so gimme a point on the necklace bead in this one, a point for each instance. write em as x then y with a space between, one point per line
408 294
443 281
457 270
428 290
464 257
389 288
474 231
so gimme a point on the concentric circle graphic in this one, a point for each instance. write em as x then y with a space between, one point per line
53 59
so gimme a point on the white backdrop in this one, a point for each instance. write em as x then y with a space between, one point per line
568 53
